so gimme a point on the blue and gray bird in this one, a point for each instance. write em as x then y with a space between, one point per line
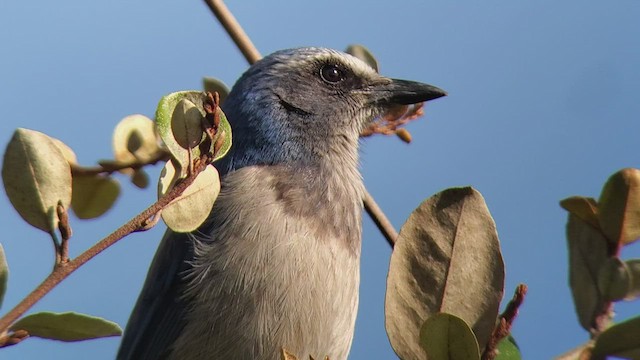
277 264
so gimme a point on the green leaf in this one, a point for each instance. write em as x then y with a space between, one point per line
614 280
620 340
447 337
587 254
633 267
69 326
508 349
363 54
4 274
93 195
36 176
166 125
446 259
619 207
585 208
188 211
212 85
186 124
134 138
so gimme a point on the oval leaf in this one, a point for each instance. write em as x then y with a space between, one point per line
4 274
36 176
508 349
587 254
188 211
93 195
140 179
363 54
585 208
69 326
134 138
620 340
164 115
68 154
447 337
446 259
186 124
614 280
619 207
212 85
633 266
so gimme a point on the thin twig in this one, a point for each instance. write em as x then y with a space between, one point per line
109 167
139 221
13 338
65 233
251 54
505 322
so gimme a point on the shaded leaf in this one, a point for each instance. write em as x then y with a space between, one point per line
140 179
587 253
447 337
4 274
614 280
212 85
585 208
134 138
633 266
619 207
93 195
36 176
164 114
69 326
188 211
620 340
508 349
363 54
446 259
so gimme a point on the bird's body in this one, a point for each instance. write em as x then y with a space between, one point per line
277 263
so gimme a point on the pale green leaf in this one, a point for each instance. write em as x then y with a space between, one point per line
619 207
447 337
36 176
93 195
4 274
69 326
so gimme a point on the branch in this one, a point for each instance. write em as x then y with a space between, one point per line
109 167
139 222
505 322
251 54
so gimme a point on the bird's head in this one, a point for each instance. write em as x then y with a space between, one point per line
294 105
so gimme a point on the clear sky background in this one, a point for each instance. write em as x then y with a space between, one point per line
544 104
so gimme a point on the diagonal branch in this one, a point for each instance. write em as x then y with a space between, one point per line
243 42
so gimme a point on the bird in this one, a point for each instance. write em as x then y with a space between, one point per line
277 263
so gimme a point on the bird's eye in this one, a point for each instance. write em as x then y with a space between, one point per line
331 74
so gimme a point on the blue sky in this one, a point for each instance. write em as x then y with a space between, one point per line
543 104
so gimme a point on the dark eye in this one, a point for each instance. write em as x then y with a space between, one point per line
331 74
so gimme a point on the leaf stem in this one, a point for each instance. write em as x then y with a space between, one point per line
251 54
111 167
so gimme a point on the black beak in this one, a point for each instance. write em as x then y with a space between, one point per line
403 92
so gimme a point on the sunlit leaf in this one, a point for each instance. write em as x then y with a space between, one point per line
446 259
134 138
585 208
69 326
36 176
404 135
212 85
619 207
363 54
67 152
447 337
620 340
186 124
93 195
188 211
165 124
4 274
587 253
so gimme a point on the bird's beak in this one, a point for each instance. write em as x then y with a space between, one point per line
403 92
